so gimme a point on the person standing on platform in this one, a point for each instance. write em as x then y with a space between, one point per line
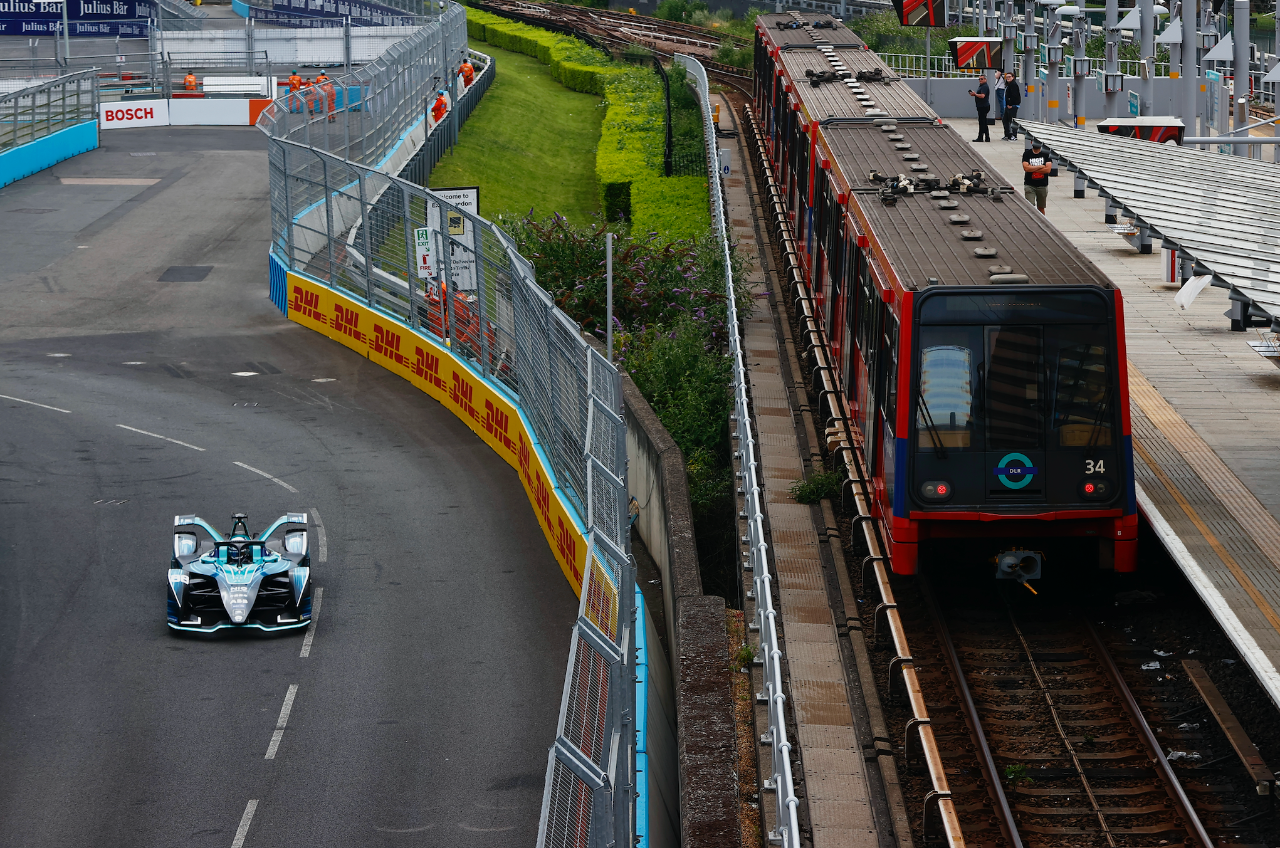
982 101
190 82
999 89
1036 166
1012 100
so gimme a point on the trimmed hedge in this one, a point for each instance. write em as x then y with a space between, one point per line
629 156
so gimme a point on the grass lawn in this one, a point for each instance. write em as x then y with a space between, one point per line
530 143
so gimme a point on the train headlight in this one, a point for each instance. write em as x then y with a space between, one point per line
936 491
1096 489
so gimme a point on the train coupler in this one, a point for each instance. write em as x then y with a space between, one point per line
1021 565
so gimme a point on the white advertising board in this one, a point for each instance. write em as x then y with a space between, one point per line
462 236
210 112
133 113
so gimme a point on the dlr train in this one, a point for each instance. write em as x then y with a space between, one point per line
981 355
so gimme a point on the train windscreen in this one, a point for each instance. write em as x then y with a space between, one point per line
1014 387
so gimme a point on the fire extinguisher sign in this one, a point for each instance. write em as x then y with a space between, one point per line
422 248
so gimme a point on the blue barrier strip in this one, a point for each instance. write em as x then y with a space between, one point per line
240 8
642 725
26 159
279 284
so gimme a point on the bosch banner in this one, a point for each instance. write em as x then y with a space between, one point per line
133 113
432 368
977 54
86 18
925 13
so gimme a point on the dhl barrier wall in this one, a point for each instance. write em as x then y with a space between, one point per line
432 368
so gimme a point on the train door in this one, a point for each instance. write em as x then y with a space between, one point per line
817 237
887 377
869 330
1015 398
849 318
802 184
833 249
795 152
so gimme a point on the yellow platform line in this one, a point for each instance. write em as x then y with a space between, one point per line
1261 526
1264 606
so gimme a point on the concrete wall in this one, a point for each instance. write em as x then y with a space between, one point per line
950 97
705 733
663 820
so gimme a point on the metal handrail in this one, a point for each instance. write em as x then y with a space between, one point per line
47 107
781 781
940 816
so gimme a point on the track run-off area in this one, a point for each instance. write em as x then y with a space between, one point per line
418 707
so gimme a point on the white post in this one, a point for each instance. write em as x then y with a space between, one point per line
66 33
1113 57
1147 44
1190 74
928 65
608 294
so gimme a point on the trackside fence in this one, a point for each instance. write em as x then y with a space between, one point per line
344 217
48 107
787 832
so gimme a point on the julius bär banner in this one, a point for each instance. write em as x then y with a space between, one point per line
361 13
88 18
431 367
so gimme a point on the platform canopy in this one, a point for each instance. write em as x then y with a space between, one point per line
1222 212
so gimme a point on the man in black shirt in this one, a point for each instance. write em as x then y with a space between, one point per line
1012 100
982 100
1036 166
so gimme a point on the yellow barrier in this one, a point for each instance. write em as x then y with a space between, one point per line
434 369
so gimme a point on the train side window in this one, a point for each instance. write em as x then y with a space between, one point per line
944 412
1082 398
889 364
820 222
1014 395
835 238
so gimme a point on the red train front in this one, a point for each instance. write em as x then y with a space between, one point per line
982 356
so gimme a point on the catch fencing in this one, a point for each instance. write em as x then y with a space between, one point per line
46 107
787 831
345 215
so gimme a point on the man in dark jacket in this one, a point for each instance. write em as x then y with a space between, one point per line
1012 100
982 101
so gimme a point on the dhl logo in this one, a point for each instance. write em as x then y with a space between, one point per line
306 302
567 547
387 343
542 497
347 322
495 424
461 393
427 366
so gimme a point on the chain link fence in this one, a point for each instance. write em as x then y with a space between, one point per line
787 831
344 214
46 107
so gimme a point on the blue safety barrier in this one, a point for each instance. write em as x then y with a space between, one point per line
279 284
642 724
26 159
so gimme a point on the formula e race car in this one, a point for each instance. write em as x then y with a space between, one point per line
240 580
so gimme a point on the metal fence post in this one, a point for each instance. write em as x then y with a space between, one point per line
411 265
328 214
364 244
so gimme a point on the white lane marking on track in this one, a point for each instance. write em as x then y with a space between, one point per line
268 476
157 436
243 830
33 403
57 355
244 373
324 540
282 721
486 829
403 829
316 597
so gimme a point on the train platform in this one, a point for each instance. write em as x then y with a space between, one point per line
1204 406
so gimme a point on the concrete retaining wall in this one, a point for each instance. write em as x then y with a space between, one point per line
950 97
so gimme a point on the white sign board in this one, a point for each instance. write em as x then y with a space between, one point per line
133 113
460 233
422 249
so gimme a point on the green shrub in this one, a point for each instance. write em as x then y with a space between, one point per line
686 384
825 484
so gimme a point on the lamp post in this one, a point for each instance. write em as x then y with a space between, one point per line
1053 55
1240 70
1189 73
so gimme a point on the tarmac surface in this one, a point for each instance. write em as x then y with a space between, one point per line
423 711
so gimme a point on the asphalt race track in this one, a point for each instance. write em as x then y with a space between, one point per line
423 711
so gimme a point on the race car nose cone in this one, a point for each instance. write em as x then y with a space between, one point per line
238 617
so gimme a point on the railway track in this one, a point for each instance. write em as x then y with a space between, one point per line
1055 734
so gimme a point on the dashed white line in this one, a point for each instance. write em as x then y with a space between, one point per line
33 403
317 595
268 476
157 436
321 538
282 721
243 830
